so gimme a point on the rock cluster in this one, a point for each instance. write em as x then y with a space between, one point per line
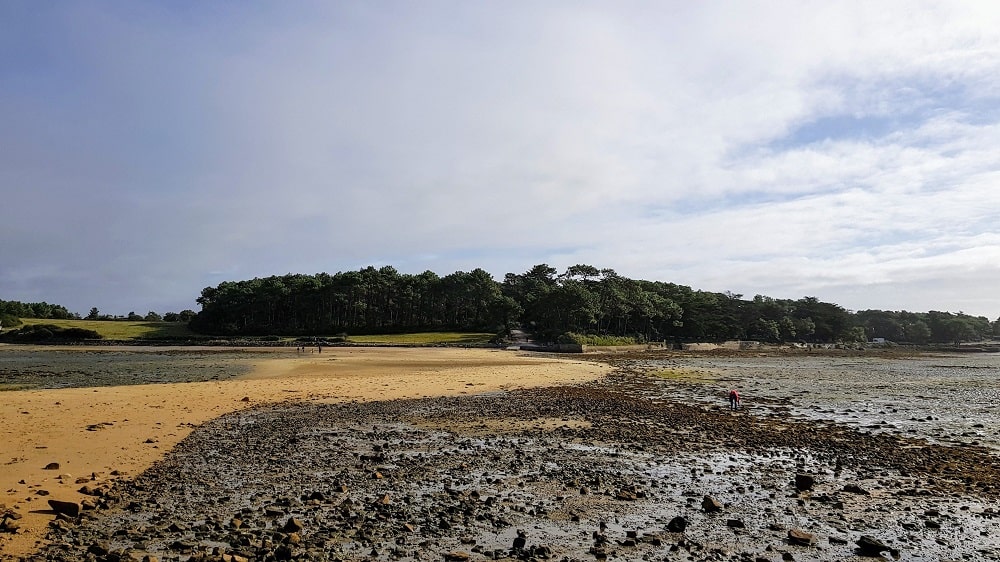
601 471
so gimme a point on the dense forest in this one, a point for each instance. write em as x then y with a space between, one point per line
581 300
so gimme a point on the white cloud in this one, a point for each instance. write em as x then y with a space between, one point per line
656 139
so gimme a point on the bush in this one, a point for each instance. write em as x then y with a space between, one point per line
49 333
9 321
592 339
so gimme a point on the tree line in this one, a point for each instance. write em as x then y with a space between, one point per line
583 300
580 300
12 311
182 316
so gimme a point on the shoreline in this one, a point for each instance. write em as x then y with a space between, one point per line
91 434
598 470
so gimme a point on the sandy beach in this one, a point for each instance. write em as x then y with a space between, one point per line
92 435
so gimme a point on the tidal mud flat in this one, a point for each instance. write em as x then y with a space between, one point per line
947 398
41 368
604 470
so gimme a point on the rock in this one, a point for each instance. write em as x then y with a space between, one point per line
677 525
293 525
800 537
98 549
520 540
626 495
542 552
456 556
283 552
89 490
855 489
735 524
804 482
71 509
52 466
711 505
870 546
9 525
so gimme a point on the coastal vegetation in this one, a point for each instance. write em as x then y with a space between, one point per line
584 301
583 304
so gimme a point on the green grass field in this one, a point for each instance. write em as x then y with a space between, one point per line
425 338
129 330
121 330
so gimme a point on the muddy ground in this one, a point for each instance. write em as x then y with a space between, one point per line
590 472
81 368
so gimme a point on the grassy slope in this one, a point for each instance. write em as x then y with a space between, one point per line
128 330
121 330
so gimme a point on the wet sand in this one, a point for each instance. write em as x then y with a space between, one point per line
103 433
591 471
488 455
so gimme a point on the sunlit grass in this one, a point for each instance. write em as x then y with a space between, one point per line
121 329
425 338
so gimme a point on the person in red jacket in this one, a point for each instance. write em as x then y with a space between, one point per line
734 399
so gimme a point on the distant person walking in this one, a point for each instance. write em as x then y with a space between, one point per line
734 399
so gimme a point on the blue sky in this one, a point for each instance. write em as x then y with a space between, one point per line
846 151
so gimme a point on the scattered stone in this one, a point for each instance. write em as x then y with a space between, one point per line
804 482
455 475
98 549
71 509
711 505
800 537
871 546
520 540
677 525
293 525
855 489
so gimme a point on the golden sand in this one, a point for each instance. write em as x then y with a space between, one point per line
125 429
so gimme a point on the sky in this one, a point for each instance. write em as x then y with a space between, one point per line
848 151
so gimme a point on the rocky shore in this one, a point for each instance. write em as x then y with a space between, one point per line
603 470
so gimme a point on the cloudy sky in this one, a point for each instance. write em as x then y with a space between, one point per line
844 150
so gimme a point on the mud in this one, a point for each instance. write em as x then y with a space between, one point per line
599 471
39 369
